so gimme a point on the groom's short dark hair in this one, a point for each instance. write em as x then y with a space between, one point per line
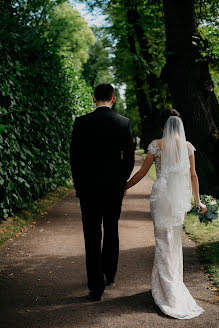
104 92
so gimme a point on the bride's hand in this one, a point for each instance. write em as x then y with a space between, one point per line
203 207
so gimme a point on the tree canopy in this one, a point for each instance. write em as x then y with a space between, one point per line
163 53
69 33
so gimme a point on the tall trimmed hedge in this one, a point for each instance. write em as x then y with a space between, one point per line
39 97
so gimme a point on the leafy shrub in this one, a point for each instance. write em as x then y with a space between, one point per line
39 97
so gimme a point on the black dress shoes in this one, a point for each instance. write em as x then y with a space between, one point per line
109 282
95 295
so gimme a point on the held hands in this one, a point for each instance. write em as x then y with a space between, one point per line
125 191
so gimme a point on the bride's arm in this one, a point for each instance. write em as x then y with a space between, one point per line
195 184
142 172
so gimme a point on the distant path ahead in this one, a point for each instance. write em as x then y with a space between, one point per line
43 277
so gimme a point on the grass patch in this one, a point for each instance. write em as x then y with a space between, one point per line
140 151
152 171
13 225
207 239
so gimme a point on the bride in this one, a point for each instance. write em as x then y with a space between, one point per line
169 201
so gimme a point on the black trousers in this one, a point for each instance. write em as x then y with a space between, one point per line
106 209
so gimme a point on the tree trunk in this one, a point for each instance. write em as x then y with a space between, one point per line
191 88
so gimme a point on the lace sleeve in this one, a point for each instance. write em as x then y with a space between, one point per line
153 147
191 148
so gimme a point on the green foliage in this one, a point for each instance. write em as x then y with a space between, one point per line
209 49
209 254
207 237
209 43
152 171
40 94
97 69
215 79
69 33
208 27
132 109
207 10
136 36
15 224
119 105
150 19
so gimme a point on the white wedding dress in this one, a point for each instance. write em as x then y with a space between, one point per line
168 290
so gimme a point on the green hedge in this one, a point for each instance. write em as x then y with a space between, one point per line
39 97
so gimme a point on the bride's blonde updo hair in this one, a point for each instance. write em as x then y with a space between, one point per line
167 113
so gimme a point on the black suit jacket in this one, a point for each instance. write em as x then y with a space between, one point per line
102 152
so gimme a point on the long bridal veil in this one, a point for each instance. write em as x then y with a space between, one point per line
170 199
175 167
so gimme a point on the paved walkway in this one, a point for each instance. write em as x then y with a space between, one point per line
43 278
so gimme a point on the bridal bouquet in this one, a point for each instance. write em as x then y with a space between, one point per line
212 212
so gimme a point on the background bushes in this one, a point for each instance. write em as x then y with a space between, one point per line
40 93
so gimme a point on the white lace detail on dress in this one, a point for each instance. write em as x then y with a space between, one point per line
153 147
191 148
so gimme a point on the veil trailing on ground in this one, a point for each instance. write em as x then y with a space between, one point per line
175 167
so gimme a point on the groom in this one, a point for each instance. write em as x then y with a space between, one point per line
102 159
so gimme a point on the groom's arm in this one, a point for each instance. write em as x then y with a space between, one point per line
75 154
128 154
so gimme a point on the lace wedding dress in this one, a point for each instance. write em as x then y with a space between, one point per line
168 290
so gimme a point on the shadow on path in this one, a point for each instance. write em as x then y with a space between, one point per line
136 215
137 196
43 280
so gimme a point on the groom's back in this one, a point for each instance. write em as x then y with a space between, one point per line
103 138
